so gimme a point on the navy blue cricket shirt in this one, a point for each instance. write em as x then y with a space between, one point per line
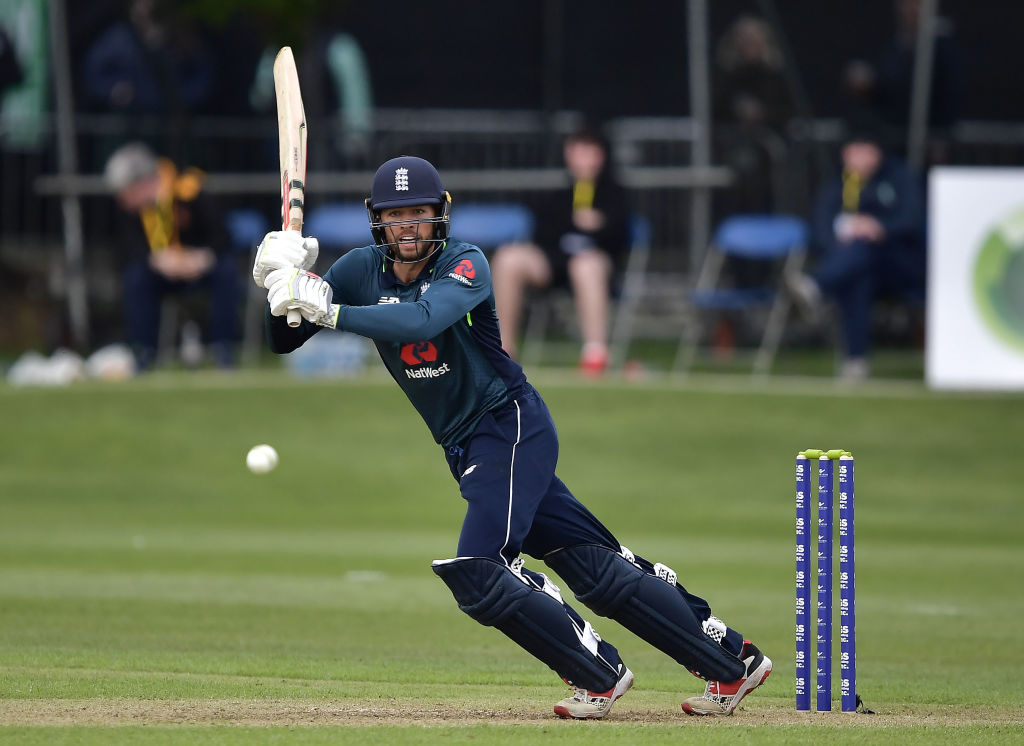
438 335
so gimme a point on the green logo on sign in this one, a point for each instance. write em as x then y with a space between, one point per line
999 279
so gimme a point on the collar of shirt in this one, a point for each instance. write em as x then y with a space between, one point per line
389 280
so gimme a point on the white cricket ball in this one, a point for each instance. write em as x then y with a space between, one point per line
261 459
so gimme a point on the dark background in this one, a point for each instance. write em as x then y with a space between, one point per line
631 59
613 59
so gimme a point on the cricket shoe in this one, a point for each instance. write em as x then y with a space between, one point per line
721 698
585 704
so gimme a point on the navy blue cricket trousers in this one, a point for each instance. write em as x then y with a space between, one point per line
144 290
855 273
516 504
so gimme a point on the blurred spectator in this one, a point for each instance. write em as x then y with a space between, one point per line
346 91
25 77
336 86
10 69
148 63
172 240
884 88
868 225
752 101
581 242
752 106
236 44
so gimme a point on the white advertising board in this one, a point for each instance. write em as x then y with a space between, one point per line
975 318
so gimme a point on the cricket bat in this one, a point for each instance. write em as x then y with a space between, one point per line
291 136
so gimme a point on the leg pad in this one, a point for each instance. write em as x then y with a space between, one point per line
492 594
645 604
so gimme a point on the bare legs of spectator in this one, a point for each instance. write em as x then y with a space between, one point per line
589 274
515 267
518 266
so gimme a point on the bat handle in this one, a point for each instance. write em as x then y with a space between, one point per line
294 317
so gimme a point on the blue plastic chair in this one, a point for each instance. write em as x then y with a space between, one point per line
491 225
779 243
246 227
630 290
339 226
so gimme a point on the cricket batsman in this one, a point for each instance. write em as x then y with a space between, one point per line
426 301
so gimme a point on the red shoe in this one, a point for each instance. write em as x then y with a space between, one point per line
594 362
721 698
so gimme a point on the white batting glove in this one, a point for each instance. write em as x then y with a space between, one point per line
280 249
304 291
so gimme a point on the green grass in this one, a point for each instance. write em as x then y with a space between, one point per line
811 358
153 591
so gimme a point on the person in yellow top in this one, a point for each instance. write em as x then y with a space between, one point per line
171 239
581 240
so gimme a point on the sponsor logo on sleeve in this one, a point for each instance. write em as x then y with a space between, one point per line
463 272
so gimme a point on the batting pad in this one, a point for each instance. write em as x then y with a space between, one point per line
491 594
645 604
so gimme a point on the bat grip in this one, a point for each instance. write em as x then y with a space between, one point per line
294 317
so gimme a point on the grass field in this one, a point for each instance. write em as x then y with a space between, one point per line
153 591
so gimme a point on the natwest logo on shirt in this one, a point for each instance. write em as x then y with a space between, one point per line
427 371
417 355
463 272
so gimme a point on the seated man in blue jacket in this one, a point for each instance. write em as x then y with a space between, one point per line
868 227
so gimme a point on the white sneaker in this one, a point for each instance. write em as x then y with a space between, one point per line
854 370
585 704
721 698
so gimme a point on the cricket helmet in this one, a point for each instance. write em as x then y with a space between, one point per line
403 182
